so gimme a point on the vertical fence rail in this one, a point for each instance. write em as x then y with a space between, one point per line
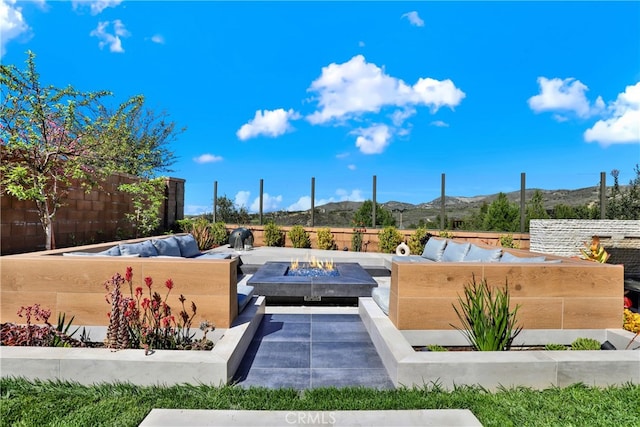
313 201
603 195
523 186
215 200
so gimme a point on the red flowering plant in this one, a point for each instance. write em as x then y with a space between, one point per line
147 322
46 335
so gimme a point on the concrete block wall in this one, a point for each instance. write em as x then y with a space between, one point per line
86 217
565 237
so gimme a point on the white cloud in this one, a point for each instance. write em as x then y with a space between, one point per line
269 203
12 23
566 95
356 87
399 116
352 196
242 199
207 158
351 167
439 123
269 123
95 6
197 209
414 18
372 140
361 44
157 38
342 155
110 39
304 202
623 122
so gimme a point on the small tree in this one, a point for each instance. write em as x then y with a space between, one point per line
229 213
148 197
624 203
535 208
502 215
45 141
364 215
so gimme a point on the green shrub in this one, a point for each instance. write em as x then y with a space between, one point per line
299 237
357 240
585 344
417 240
273 234
388 239
555 347
200 229
325 239
219 233
445 234
487 320
436 347
506 241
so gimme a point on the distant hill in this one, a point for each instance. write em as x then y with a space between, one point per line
339 214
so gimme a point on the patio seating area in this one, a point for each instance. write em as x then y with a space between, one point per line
231 271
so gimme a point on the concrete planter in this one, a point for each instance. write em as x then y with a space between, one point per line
162 367
535 369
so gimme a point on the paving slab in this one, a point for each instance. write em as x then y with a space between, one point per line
408 418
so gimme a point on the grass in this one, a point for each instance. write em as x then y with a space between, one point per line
28 403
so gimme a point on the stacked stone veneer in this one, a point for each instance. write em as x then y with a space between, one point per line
565 237
86 217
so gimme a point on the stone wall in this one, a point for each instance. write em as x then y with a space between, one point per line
565 237
87 217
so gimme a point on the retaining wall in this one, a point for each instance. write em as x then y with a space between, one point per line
565 237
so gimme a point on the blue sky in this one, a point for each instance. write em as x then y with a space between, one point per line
343 91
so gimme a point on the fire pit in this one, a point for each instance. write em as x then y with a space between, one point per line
283 279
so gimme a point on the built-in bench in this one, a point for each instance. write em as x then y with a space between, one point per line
553 292
72 280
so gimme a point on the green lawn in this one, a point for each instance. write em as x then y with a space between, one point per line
25 403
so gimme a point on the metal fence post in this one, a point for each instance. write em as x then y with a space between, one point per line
603 195
215 199
442 201
313 200
373 208
261 198
523 187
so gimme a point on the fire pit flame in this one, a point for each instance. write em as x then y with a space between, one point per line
312 263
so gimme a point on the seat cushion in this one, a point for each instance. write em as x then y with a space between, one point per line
144 249
381 297
188 246
434 249
455 252
167 246
478 254
213 255
508 257
245 293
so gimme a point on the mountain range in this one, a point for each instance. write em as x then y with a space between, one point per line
339 214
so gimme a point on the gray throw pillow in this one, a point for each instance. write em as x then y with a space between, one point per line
434 248
188 246
167 247
144 249
455 252
479 254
